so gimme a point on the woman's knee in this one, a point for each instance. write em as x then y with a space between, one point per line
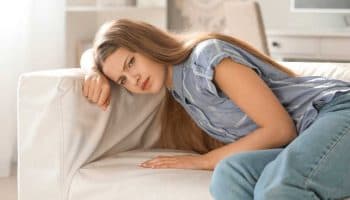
230 180
222 178
235 176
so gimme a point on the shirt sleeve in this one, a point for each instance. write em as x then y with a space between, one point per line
208 54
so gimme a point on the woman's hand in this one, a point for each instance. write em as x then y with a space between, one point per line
97 89
178 162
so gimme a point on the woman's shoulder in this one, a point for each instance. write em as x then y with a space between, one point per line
205 54
207 51
208 46
200 71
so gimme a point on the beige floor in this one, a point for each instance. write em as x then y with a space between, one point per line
8 188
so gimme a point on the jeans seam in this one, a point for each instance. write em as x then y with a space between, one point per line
314 196
325 156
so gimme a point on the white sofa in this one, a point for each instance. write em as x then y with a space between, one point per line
69 149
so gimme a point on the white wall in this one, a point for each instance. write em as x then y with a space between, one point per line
277 15
81 27
31 38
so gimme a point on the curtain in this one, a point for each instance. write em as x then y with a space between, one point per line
32 37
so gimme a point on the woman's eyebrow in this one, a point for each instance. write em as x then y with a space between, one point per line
124 67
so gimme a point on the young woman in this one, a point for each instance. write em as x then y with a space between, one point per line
265 132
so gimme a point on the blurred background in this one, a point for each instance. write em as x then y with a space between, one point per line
46 34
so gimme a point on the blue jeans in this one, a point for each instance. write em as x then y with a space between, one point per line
316 165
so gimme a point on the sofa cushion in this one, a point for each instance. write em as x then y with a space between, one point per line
120 177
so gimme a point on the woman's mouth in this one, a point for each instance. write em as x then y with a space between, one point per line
145 84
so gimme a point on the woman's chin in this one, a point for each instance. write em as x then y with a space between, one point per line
155 90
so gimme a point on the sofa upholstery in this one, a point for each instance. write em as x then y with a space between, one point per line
70 149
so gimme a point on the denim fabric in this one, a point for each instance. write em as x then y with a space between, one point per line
216 114
314 166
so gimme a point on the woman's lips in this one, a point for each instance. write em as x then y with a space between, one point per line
145 84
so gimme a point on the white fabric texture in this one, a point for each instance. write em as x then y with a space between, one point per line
59 131
69 149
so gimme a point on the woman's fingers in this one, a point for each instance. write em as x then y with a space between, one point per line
91 90
96 94
160 159
161 162
103 96
105 105
96 89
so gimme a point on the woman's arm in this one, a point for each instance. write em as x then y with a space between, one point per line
96 87
250 93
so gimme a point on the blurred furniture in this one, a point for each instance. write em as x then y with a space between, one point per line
69 149
84 17
244 20
238 18
301 45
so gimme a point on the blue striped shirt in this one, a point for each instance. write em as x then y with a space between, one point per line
219 117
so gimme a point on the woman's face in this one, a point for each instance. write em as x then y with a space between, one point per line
135 72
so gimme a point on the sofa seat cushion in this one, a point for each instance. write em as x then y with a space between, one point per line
120 177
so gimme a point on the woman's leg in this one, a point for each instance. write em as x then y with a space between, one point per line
316 165
235 176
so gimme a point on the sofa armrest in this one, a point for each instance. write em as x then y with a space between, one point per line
59 130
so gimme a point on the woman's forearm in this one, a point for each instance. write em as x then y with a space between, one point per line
261 138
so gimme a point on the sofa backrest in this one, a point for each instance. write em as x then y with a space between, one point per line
331 70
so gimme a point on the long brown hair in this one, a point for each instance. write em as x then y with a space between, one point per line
178 130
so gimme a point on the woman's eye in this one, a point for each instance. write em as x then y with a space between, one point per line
131 62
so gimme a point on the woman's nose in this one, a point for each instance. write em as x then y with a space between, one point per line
134 79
